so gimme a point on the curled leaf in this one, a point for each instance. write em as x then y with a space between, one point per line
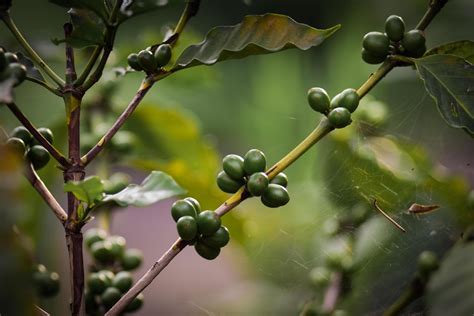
255 35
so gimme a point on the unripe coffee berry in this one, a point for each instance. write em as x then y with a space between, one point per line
227 184
38 156
413 41
348 99
147 61
22 133
195 203
182 208
319 100
233 165
133 62
110 296
280 179
254 161
217 240
275 196
339 117
163 54
377 43
427 263
131 259
123 281
370 58
187 228
208 222
395 28
16 146
94 235
257 183
206 252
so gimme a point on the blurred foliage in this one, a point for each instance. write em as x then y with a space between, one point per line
192 118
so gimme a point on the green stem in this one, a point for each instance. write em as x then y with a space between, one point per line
375 77
90 64
31 52
190 10
434 7
409 295
45 85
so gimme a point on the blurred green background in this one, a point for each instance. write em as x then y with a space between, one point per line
193 118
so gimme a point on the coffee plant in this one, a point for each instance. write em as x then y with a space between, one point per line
95 131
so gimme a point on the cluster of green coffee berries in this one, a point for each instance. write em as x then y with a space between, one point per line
202 229
338 109
377 46
46 283
22 144
249 171
110 277
10 67
148 61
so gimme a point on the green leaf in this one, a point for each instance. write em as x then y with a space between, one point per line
31 70
89 190
88 29
96 6
156 187
463 49
451 288
255 35
450 81
132 8
6 89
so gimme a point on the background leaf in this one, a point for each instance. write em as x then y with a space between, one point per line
96 6
450 81
255 35
450 290
6 89
131 8
89 190
31 70
156 187
463 49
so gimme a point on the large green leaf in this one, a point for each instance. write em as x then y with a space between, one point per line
88 29
255 35
156 187
89 190
451 289
96 6
450 81
463 49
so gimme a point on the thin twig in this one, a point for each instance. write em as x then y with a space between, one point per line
45 85
388 217
144 88
333 293
40 311
37 135
5 16
43 191
89 66
434 7
71 75
190 10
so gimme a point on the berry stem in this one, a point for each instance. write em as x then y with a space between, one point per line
37 135
43 191
5 16
410 294
433 9
333 292
144 88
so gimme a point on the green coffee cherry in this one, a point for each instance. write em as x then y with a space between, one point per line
275 196
97 283
227 184
280 179
46 133
163 54
11 57
147 61
110 296
118 246
319 100
254 161
116 183
427 263
257 183
208 222
131 259
233 166
38 156
339 117
414 42
195 203
102 251
182 208
108 275
187 228
395 28
206 252
133 62
16 146
17 71
217 240
94 235
320 276
135 305
377 43
348 98
45 282
22 133
123 281
370 58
